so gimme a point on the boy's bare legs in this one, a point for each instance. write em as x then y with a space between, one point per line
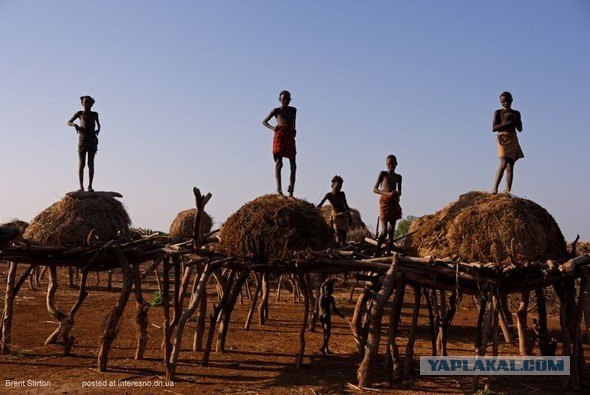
500 173
91 169
509 174
81 164
278 167
391 232
341 234
382 236
292 178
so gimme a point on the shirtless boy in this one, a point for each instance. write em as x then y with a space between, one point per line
283 145
341 218
506 122
88 141
389 186
327 305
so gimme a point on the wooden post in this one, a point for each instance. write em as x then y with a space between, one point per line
201 315
303 285
521 321
168 367
227 310
430 320
8 309
141 314
50 301
263 307
252 306
375 315
412 335
112 320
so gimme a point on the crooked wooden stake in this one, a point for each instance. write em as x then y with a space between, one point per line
8 309
412 335
253 305
303 285
141 314
375 316
521 322
227 310
112 320
392 357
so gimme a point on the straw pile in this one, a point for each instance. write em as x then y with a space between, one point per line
181 228
482 227
357 231
271 228
19 225
69 222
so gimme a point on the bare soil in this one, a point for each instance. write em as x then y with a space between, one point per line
261 360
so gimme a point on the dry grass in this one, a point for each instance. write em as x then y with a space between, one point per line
483 227
181 228
271 228
69 222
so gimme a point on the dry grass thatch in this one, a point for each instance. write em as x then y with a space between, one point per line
482 227
358 230
182 227
21 226
272 228
69 222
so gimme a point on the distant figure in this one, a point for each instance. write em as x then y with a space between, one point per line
341 217
283 145
327 304
88 131
506 122
389 186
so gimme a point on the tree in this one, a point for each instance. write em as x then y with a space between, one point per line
403 226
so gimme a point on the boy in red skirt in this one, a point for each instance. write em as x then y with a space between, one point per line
389 187
283 145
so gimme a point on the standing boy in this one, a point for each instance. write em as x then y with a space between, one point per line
283 145
389 186
88 139
341 217
327 304
506 122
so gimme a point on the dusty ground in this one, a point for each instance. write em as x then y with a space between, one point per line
260 360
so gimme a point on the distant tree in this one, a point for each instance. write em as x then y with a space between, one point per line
403 226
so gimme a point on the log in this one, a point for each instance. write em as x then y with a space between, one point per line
112 320
375 316
303 285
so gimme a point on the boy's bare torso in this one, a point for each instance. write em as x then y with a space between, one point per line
389 181
285 115
337 200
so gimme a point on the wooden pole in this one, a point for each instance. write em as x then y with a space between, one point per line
8 309
141 314
227 310
412 335
521 322
303 286
252 306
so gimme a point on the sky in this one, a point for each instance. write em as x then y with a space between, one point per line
181 88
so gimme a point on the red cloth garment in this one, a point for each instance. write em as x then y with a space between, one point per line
389 208
283 143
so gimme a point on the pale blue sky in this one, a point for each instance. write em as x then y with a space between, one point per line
182 87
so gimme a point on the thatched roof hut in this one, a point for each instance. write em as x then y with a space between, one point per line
70 221
272 228
357 231
182 227
484 227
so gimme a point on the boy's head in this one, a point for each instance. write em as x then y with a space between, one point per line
506 99
337 182
391 162
328 287
285 98
87 102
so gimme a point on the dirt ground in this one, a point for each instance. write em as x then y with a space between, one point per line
261 360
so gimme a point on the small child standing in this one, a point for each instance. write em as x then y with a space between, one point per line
88 139
327 304
341 217
283 145
389 186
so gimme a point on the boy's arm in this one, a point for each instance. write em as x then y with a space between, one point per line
347 208
265 121
399 184
294 118
72 119
376 187
323 201
497 124
97 123
518 121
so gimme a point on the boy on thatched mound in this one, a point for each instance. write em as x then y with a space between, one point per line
88 131
506 122
389 187
271 228
341 217
283 144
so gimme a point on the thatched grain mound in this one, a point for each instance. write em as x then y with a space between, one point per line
182 227
69 222
272 228
358 230
482 227
17 224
